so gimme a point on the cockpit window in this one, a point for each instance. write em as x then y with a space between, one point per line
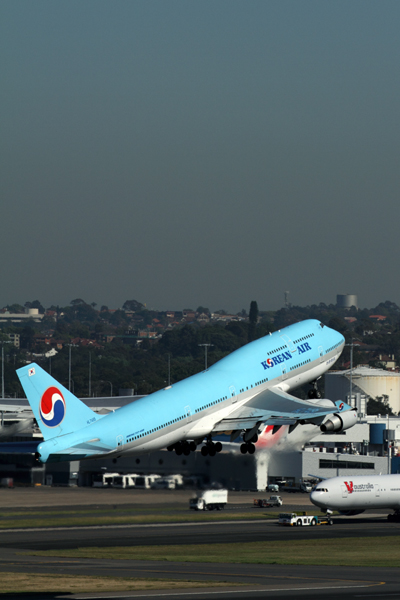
320 490
321 325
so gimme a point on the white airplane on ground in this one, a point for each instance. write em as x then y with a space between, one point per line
353 495
241 394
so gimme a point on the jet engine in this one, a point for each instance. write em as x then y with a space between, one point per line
339 422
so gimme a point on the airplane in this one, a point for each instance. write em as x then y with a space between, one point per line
353 495
240 394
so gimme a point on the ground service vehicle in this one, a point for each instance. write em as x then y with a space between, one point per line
163 484
272 501
124 481
304 487
210 500
299 520
103 479
272 487
144 482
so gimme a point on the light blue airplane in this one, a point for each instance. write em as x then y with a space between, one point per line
239 395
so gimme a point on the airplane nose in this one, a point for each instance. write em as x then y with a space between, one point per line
314 496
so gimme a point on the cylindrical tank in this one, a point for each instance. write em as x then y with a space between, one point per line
346 300
365 380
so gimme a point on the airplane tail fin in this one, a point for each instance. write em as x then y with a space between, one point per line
57 411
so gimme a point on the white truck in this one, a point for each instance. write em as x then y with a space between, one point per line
272 501
103 479
124 481
210 500
296 520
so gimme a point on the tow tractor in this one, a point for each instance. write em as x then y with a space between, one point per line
296 520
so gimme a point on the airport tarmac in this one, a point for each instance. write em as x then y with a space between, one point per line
84 496
258 581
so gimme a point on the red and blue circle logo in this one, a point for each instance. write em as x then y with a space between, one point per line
341 406
52 407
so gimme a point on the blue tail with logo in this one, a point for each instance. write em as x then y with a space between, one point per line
57 411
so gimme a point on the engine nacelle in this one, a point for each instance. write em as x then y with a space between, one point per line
340 422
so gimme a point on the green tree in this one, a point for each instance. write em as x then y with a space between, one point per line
253 318
203 309
132 305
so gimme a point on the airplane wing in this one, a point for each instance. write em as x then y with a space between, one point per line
275 407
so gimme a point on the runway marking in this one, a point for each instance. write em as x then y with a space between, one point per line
377 595
241 591
246 575
130 526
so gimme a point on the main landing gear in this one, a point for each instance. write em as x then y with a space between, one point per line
248 445
211 448
395 517
314 393
182 448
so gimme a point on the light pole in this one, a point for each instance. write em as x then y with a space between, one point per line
205 353
69 366
2 366
90 374
351 370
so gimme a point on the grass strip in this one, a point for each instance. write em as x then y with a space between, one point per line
355 551
76 521
26 583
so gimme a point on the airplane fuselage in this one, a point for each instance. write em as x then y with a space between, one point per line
189 409
358 493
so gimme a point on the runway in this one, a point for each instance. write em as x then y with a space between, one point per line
248 580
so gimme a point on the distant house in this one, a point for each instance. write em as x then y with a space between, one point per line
387 360
51 314
14 337
203 317
188 314
378 317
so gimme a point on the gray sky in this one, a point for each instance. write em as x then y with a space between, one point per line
186 153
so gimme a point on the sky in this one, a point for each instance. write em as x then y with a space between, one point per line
199 153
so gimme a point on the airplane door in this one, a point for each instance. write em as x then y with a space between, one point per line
284 372
377 491
232 392
120 440
321 354
188 414
345 491
289 343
